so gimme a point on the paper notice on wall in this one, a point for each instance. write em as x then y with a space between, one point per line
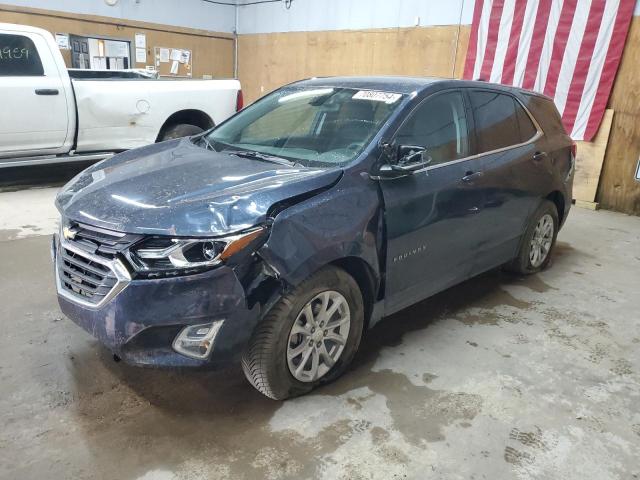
164 55
174 67
114 48
176 53
141 55
184 56
62 39
141 40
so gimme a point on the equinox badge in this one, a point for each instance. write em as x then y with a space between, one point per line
405 255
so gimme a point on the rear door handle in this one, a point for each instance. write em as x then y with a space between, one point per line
471 176
538 156
47 91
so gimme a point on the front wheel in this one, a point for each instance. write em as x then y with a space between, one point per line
308 338
538 241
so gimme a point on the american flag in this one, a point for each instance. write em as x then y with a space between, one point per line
567 49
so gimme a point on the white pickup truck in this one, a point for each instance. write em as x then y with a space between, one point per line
47 116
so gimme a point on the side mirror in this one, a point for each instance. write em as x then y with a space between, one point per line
408 159
411 158
408 154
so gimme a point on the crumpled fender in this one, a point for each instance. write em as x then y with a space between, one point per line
341 222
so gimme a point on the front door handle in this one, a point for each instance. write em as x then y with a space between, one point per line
538 156
471 176
47 91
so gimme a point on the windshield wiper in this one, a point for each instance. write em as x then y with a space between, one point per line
252 154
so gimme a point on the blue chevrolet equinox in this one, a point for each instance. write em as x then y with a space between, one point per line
277 237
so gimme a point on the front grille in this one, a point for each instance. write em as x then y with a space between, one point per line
103 242
88 267
85 278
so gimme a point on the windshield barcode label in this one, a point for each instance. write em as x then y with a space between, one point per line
375 96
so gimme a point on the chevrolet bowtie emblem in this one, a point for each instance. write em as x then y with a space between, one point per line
69 233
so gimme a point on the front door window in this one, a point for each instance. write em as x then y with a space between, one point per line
439 125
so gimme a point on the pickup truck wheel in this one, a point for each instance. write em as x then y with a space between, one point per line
538 241
179 131
308 338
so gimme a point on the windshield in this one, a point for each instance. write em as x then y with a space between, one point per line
315 127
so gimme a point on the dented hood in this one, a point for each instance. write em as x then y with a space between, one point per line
178 188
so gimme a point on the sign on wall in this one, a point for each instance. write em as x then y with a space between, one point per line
173 62
141 40
62 39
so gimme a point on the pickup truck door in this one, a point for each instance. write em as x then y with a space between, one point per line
34 116
430 214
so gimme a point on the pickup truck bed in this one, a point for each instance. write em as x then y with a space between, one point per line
134 111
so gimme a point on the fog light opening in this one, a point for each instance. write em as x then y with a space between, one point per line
196 341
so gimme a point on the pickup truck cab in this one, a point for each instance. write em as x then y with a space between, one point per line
49 117
279 236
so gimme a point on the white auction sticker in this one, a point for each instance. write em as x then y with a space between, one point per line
376 96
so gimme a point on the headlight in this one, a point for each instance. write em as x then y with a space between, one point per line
163 256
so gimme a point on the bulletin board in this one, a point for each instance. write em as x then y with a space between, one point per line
173 62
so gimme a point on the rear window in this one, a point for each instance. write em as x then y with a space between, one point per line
19 57
495 120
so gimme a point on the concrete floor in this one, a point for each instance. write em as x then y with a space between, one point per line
498 378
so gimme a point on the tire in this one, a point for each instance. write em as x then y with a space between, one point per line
266 362
526 263
179 131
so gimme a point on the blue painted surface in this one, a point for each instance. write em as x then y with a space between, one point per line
178 188
188 13
321 15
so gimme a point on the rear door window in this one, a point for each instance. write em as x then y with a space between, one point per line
496 121
19 57
439 124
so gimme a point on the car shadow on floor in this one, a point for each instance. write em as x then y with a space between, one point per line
163 415
215 393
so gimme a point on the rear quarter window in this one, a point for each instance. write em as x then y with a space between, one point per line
19 57
545 113
526 126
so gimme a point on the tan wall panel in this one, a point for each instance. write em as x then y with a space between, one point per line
267 61
212 52
618 190
589 161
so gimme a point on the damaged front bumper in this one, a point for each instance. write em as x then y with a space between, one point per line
143 320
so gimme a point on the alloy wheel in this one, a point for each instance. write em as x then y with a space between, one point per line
541 241
318 336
